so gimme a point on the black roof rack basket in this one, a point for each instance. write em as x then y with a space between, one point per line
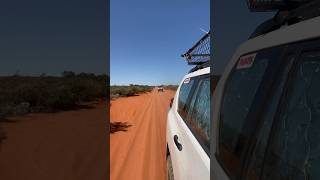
274 5
200 52
307 9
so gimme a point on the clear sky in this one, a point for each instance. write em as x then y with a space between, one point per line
52 36
148 37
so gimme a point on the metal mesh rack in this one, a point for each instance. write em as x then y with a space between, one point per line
273 5
200 52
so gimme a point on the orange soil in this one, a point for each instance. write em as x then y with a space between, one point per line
68 145
138 150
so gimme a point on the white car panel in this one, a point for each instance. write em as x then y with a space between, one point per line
192 162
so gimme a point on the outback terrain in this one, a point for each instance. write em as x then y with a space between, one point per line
138 136
67 145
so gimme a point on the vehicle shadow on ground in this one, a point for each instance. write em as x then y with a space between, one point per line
12 119
119 126
3 136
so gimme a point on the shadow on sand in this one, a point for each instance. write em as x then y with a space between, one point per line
3 136
3 120
119 126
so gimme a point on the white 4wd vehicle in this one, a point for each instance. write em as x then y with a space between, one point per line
266 107
188 128
160 89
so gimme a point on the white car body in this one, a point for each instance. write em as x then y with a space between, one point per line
160 88
302 31
192 162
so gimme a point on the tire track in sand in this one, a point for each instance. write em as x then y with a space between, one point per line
139 153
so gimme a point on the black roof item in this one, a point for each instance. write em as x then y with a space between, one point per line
200 66
274 5
199 53
307 10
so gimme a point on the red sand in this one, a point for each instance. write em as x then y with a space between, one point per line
69 145
140 152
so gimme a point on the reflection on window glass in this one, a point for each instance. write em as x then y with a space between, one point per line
239 92
201 110
198 118
295 150
257 158
183 96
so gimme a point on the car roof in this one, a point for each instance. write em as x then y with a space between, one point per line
199 72
200 66
304 30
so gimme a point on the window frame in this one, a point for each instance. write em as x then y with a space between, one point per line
260 98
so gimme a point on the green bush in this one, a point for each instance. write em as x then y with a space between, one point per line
171 87
23 94
130 90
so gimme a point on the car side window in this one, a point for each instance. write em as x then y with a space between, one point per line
294 151
184 95
239 93
199 113
267 117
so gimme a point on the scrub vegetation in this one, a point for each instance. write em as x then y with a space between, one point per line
25 94
131 90
171 87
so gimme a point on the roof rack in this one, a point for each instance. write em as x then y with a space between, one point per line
288 17
200 52
274 5
200 66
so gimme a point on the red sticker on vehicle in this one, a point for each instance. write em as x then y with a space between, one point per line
186 81
246 61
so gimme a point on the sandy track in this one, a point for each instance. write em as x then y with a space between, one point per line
69 145
140 152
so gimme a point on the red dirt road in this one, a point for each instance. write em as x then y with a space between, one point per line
68 145
138 152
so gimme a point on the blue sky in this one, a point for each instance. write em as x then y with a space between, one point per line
52 36
147 38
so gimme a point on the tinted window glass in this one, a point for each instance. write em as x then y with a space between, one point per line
294 152
199 114
201 110
257 159
184 94
239 93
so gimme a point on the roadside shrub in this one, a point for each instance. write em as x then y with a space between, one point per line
171 87
131 90
23 94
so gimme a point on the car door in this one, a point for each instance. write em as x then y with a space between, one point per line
192 131
174 132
